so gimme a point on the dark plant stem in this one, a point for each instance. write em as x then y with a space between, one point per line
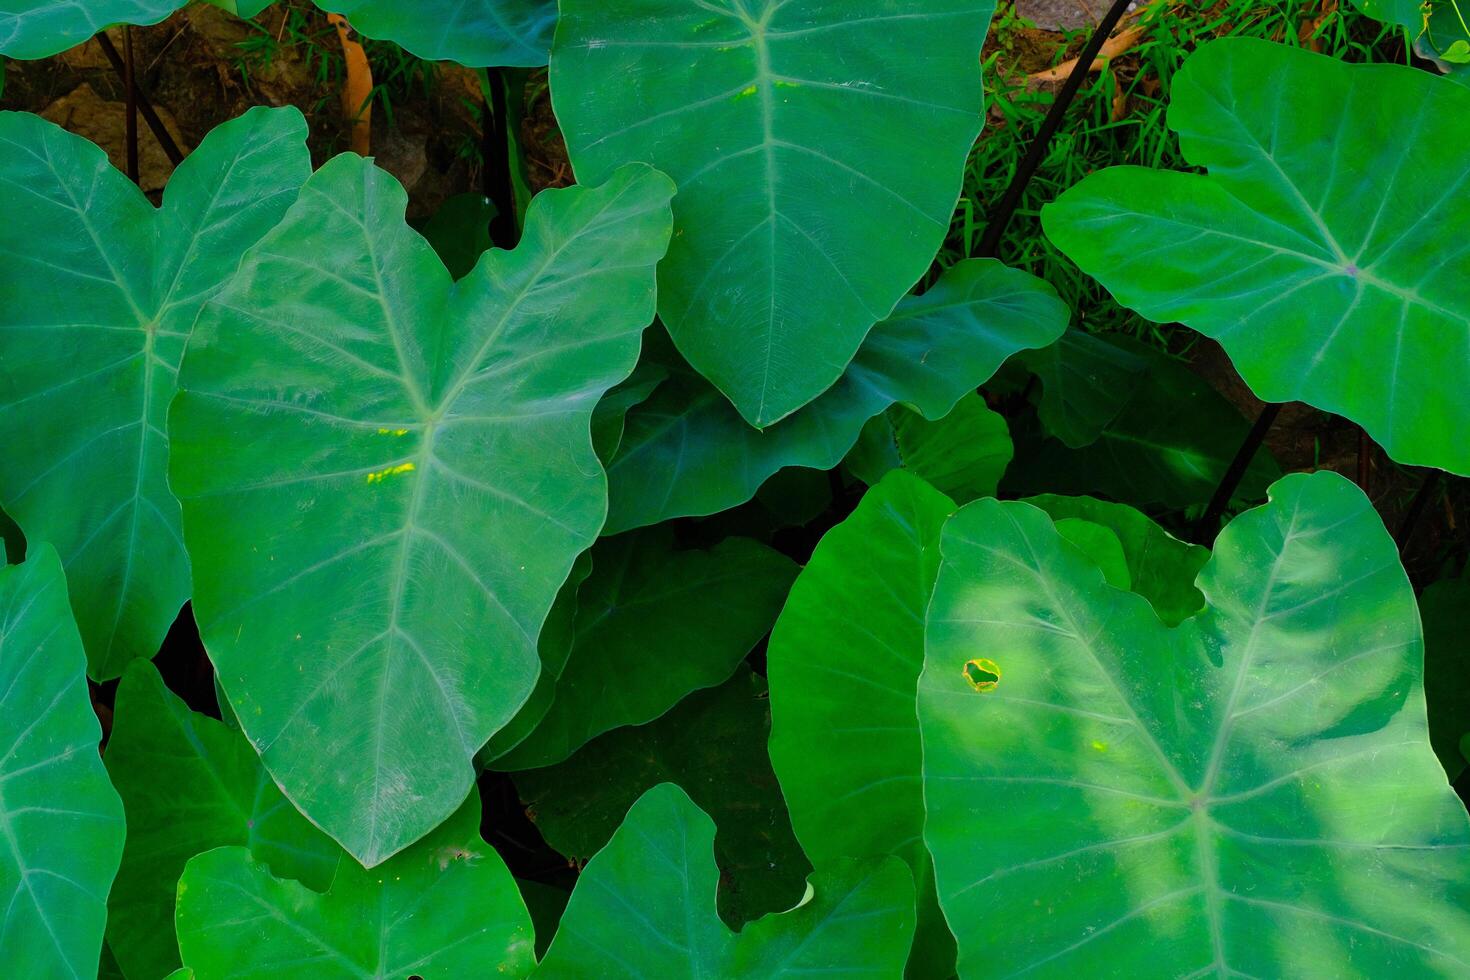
145 108
130 96
1209 522
1000 215
1417 507
495 152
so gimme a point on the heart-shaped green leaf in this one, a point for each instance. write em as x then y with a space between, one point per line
687 452
797 225
1249 793
653 624
445 907
476 33
61 824
645 907
40 28
711 734
1161 568
962 455
1324 249
844 662
98 294
189 784
1170 445
386 477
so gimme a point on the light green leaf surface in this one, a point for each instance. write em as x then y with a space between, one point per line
645 907
843 663
1250 793
387 476
1161 568
818 148
1170 445
653 624
706 737
61 824
962 455
444 909
1324 249
687 452
32 29
1444 608
189 784
98 294
475 33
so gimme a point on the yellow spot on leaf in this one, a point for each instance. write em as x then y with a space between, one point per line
382 475
1100 746
982 674
747 91
392 432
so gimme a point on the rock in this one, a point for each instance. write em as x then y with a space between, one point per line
84 112
1059 15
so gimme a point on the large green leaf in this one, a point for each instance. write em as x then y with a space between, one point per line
1170 445
40 28
189 783
1161 568
476 33
1324 249
98 294
645 907
713 743
963 454
818 148
686 451
1251 793
386 477
1401 13
653 624
844 662
445 908
1444 608
1085 382
61 824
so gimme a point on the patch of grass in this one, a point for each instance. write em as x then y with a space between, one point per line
1096 135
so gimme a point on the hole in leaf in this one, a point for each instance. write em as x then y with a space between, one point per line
982 674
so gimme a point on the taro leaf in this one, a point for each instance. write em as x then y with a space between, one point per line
188 784
714 744
553 646
460 232
1161 568
475 33
843 663
963 454
1444 608
1401 13
445 907
1323 250
645 907
653 624
687 451
386 477
1085 382
98 294
797 225
611 414
1102 548
61 824
1251 793
1169 446
32 29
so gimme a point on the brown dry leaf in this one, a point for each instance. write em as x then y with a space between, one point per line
1308 31
357 90
1120 98
1112 47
